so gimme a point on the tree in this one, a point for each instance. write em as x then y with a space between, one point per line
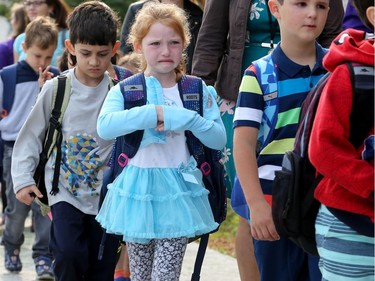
120 6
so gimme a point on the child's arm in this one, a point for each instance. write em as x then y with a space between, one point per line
247 120
28 146
244 150
209 129
114 121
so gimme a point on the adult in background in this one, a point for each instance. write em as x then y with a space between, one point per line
194 12
233 34
19 21
56 9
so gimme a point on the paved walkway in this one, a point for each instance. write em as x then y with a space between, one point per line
216 266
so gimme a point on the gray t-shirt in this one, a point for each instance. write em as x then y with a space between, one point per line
84 154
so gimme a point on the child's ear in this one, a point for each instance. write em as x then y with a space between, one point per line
69 46
273 5
24 47
137 47
370 14
115 47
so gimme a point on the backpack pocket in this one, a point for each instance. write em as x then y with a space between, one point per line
284 213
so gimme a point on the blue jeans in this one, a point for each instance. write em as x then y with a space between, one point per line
16 214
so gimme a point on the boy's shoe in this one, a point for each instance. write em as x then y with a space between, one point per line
43 268
121 278
12 260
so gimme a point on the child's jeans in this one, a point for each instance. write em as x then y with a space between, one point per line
75 241
16 214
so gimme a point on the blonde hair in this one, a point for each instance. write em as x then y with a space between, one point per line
41 32
167 14
130 61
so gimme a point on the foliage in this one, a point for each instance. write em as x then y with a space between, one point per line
120 6
4 10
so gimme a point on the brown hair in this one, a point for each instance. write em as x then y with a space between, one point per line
166 14
60 12
19 15
41 32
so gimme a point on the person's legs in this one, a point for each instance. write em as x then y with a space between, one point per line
141 257
16 213
40 250
75 241
281 260
244 247
345 254
169 254
122 270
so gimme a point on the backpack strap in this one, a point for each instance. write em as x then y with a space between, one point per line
133 90
362 115
267 79
9 76
60 100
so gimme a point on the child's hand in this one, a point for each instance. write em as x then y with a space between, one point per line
44 75
27 194
160 117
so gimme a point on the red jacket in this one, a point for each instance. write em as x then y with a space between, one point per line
348 182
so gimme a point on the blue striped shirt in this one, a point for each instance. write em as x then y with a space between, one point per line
272 103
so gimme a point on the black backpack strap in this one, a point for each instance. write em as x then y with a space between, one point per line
54 135
191 92
9 76
362 115
203 243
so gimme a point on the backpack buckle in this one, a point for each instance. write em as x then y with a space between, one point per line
123 160
205 168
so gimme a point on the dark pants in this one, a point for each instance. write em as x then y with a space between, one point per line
75 241
283 260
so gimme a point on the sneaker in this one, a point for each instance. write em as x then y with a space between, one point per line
43 268
13 261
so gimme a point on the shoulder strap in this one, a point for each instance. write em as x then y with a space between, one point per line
307 116
60 100
191 93
362 115
9 76
133 90
267 79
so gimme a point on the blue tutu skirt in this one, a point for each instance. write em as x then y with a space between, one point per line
154 203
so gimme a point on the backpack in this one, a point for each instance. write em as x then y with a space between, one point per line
9 76
294 208
125 147
53 137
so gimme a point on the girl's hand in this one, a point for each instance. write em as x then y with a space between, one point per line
160 117
44 75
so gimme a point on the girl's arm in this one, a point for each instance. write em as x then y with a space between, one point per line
114 121
209 129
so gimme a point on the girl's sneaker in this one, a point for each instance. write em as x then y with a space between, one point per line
12 260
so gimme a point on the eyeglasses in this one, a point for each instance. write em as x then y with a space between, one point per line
28 4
